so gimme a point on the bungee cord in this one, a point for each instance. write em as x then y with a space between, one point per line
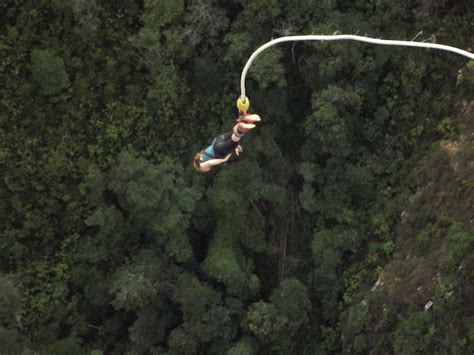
243 102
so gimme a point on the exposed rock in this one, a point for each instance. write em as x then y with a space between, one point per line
428 305
406 218
378 283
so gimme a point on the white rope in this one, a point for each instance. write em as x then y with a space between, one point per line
343 37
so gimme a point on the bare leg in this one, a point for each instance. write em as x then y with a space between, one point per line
244 125
240 128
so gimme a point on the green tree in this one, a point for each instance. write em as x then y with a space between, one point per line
49 71
86 14
10 341
10 301
139 213
268 70
245 346
459 242
157 201
264 322
206 22
70 345
292 301
10 319
331 124
206 319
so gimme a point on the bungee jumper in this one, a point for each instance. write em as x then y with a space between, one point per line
222 147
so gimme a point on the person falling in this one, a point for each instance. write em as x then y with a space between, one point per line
223 145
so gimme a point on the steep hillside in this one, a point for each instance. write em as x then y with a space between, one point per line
422 301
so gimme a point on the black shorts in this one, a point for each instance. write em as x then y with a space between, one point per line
223 145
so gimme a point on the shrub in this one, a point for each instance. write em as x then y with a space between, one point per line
423 238
414 334
360 344
358 318
458 242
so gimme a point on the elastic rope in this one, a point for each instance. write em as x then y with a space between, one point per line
345 37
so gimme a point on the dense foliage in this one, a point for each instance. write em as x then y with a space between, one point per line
349 210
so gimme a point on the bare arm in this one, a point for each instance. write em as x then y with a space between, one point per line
207 165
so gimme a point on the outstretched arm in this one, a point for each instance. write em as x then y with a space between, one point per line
214 162
207 165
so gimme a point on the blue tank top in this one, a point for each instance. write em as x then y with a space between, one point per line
209 153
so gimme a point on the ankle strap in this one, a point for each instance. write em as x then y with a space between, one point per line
238 132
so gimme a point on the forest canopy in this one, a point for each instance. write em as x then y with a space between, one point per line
344 227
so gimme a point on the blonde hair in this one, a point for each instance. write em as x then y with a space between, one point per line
197 161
